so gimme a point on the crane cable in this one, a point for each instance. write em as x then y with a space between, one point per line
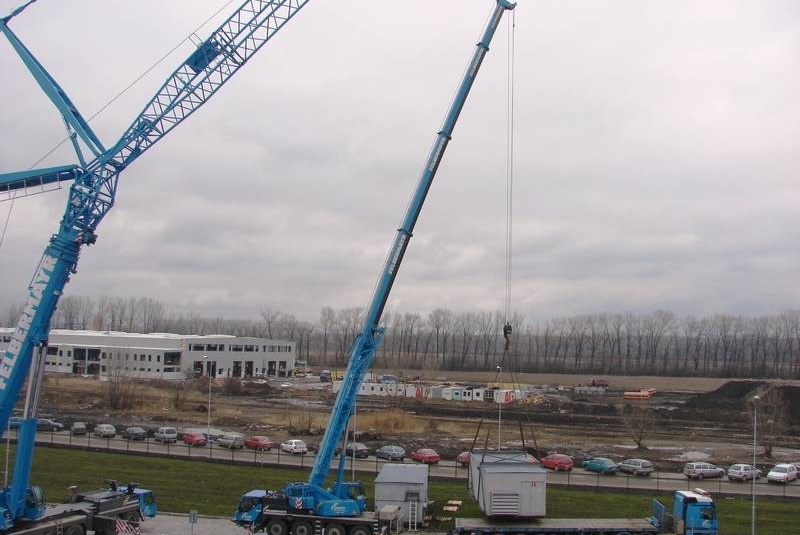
509 180
110 102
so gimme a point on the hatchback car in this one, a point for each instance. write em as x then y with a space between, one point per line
637 467
194 439
698 470
782 473
425 456
231 440
259 443
105 431
294 445
14 422
558 461
78 428
356 449
390 452
601 465
743 472
463 458
134 433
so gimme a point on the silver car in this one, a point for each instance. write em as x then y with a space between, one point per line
743 472
231 441
699 470
637 467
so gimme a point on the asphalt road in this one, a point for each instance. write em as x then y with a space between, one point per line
174 524
658 481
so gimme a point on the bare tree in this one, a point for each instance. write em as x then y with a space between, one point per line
772 416
639 420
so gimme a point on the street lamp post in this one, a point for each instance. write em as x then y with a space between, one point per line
208 372
756 399
499 407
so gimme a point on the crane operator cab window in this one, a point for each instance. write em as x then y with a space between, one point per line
34 502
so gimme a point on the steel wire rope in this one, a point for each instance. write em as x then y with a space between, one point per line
110 102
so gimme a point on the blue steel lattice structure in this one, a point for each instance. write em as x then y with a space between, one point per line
339 499
91 196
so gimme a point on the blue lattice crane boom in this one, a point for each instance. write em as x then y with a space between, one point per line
92 195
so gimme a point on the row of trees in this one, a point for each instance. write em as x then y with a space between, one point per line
633 344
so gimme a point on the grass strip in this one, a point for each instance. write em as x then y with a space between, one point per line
214 489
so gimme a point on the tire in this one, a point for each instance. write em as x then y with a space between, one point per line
700 477
74 530
360 530
130 517
276 527
335 529
302 527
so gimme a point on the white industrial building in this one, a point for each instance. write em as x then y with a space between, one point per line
163 355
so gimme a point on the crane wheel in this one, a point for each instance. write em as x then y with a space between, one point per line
301 527
360 530
335 529
74 530
277 527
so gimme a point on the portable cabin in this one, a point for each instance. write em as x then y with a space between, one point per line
406 486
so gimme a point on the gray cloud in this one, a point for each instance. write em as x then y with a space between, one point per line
656 158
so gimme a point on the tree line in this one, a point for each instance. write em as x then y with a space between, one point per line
657 343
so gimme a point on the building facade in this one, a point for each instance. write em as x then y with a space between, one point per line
109 354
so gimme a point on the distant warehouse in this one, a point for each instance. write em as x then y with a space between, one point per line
163 355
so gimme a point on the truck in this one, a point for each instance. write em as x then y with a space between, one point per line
340 509
693 513
91 196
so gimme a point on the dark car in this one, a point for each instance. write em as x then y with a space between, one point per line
14 422
558 461
390 452
78 428
46 424
356 449
134 433
601 465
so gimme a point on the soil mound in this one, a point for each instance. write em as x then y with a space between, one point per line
731 396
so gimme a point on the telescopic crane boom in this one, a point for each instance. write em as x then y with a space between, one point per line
339 501
91 196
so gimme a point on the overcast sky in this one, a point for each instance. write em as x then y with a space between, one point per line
657 157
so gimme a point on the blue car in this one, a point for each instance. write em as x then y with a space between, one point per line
601 465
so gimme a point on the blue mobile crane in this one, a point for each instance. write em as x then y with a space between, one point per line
306 507
91 197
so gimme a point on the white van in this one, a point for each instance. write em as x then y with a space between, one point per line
166 435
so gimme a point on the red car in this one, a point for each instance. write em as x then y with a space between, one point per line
259 443
195 439
425 455
463 458
557 461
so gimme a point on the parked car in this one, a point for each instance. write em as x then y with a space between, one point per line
699 470
46 424
14 422
558 461
231 440
105 431
743 472
294 445
782 473
78 428
601 465
166 435
194 439
390 452
637 467
426 456
356 449
134 433
260 443
463 458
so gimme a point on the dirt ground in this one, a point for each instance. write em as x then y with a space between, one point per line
694 419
